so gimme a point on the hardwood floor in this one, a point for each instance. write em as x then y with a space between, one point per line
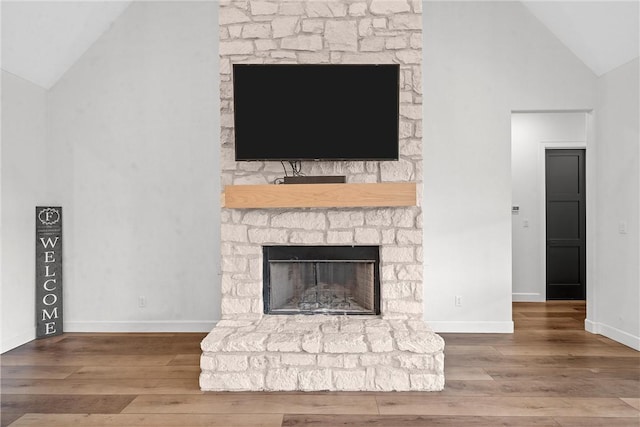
548 373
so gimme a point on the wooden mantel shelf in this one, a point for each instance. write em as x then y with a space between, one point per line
384 194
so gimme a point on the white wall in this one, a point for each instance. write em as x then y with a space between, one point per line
531 133
482 60
24 186
615 309
132 158
134 135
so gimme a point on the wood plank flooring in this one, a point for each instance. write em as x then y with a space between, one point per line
550 372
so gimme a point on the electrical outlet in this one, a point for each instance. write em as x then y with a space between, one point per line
142 302
458 301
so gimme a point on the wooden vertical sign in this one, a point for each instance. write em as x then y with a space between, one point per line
48 271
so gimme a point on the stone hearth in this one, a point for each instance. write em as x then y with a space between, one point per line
248 350
313 353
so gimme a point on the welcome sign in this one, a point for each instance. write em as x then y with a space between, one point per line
48 271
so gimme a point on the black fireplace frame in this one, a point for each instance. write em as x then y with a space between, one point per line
324 254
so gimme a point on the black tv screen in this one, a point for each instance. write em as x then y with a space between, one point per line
316 112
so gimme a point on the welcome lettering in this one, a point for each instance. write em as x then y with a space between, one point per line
48 271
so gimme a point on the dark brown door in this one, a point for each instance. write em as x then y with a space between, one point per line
565 209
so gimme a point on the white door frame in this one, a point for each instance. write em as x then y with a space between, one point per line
590 181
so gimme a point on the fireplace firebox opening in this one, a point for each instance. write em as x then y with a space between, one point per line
321 280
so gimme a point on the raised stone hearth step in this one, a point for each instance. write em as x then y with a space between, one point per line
313 353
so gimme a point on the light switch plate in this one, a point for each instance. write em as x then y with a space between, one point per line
622 227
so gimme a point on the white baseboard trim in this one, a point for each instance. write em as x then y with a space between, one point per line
471 327
590 326
141 326
16 340
527 297
614 333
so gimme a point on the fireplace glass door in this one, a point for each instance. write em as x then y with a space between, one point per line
321 280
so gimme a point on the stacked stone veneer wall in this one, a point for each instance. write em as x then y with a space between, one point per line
249 351
318 32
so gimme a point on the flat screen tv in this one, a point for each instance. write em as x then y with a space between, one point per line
316 112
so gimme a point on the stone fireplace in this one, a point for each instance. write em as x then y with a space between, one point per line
321 280
322 331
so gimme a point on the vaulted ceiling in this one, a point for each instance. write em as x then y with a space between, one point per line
41 40
603 34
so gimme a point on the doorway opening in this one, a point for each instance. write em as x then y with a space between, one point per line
543 250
